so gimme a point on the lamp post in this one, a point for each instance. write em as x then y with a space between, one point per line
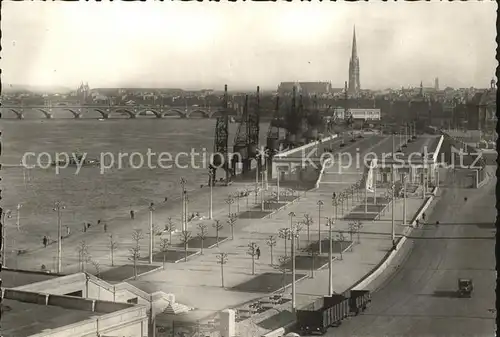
210 202
151 210
183 196
330 223
18 216
319 203
5 214
277 184
404 199
393 200
58 207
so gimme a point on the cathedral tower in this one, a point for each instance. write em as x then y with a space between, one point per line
354 85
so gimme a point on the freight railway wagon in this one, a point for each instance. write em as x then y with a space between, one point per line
329 311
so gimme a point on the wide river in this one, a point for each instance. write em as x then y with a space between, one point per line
90 195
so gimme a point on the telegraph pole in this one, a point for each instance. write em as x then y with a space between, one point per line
404 199
393 195
58 207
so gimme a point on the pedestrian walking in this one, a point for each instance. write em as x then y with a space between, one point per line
105 227
99 221
258 253
132 214
45 241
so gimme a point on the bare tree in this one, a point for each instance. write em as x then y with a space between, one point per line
282 267
359 226
97 267
135 251
308 221
222 260
170 227
113 245
285 234
83 255
252 251
351 230
271 242
156 231
218 226
313 252
298 227
185 237
231 222
341 239
164 244
202 234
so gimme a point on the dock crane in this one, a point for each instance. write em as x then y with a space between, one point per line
221 153
246 141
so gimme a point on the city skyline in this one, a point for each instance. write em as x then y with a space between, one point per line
61 44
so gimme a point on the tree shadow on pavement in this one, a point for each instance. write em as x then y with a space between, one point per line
275 321
445 294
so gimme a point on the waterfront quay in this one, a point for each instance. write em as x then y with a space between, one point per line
196 280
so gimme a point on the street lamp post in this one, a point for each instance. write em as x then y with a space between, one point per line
330 223
319 203
18 216
210 203
183 196
393 196
278 184
404 199
151 210
6 214
58 207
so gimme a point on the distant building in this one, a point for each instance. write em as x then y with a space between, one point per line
358 114
305 88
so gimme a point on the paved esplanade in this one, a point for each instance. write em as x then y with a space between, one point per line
197 282
420 298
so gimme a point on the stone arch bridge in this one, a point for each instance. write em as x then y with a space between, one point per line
109 111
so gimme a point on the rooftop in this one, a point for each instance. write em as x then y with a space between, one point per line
12 278
21 319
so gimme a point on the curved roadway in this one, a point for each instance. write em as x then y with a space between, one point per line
415 296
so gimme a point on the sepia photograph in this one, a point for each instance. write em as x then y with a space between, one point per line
248 169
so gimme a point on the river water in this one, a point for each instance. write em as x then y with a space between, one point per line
89 195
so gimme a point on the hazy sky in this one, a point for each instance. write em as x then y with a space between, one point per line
204 45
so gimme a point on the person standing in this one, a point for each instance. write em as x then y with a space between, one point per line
258 253
132 214
105 227
45 241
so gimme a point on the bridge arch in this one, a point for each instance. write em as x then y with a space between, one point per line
216 113
12 113
74 112
197 112
179 112
123 111
45 112
156 112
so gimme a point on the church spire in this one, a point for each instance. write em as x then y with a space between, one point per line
354 85
354 52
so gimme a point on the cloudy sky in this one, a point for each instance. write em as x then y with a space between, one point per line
204 45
